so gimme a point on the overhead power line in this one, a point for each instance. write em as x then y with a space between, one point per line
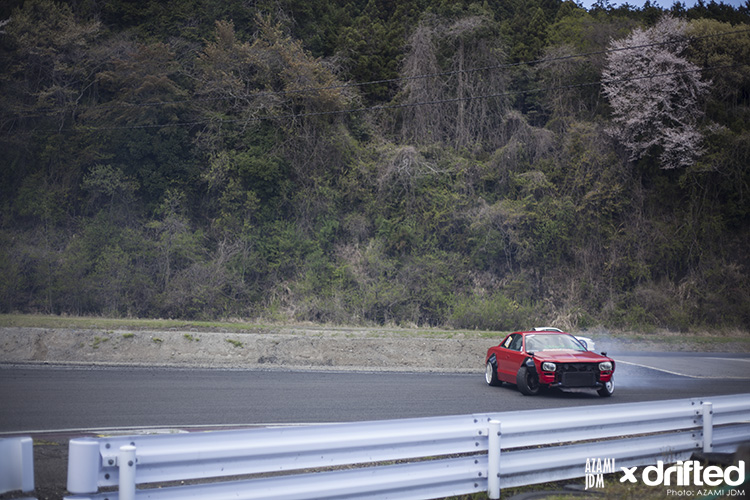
421 103
400 79
451 73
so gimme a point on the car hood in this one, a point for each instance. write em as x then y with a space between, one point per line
570 356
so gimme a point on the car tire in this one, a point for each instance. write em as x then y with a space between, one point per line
607 389
527 382
490 375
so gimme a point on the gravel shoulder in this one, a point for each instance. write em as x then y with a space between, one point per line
288 348
301 348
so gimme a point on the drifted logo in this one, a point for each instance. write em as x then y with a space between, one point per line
689 473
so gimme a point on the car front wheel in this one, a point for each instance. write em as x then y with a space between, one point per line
608 388
490 375
527 382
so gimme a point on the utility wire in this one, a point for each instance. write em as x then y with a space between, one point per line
420 103
402 105
448 73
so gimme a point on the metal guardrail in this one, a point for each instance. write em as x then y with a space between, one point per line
16 464
405 459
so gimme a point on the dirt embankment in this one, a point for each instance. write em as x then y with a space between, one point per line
288 348
301 348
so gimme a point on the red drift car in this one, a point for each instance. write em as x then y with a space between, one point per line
540 359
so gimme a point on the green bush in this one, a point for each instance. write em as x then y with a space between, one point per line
495 313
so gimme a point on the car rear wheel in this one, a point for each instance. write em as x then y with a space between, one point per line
527 382
490 375
608 388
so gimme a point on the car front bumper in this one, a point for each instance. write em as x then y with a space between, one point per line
575 379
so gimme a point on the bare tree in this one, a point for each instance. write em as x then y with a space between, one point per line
477 82
422 123
456 98
402 169
558 70
654 93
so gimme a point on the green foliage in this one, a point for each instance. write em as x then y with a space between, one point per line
493 313
236 343
731 80
201 160
98 341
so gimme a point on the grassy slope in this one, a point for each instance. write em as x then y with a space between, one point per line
721 340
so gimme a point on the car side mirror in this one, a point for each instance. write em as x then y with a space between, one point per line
604 353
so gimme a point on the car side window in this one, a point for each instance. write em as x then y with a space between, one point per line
507 341
516 343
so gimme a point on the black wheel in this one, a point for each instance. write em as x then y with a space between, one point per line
608 388
490 375
527 382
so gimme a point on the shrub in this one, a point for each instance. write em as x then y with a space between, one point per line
497 312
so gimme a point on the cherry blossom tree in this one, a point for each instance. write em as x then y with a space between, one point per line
655 93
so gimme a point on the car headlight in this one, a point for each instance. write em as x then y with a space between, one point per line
548 367
605 366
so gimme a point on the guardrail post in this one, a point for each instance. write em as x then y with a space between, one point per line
16 464
84 463
708 427
126 459
493 460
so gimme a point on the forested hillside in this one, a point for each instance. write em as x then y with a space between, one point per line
491 165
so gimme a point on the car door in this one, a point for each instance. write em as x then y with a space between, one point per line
509 357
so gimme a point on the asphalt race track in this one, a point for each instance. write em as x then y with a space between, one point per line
56 398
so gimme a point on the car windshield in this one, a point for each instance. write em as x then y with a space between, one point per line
535 343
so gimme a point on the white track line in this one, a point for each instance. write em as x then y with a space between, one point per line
657 369
706 377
